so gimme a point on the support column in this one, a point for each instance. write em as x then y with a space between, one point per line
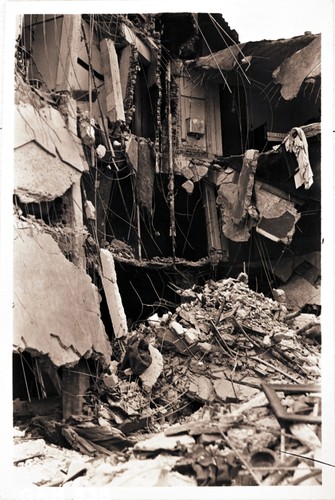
75 382
212 224
77 210
69 49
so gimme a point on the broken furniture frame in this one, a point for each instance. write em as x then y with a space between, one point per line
281 414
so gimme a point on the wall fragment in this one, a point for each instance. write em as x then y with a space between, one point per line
56 307
273 217
39 176
47 158
245 185
300 292
278 217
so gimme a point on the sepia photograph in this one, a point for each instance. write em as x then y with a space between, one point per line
167 177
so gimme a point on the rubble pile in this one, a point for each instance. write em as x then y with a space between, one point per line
227 327
215 393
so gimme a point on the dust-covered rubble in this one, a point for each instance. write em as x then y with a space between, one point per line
183 401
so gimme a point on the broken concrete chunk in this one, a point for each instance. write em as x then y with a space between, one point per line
306 435
226 389
205 346
200 171
149 473
188 186
39 176
202 388
150 375
279 295
191 336
187 172
110 380
242 313
154 320
282 335
177 327
89 210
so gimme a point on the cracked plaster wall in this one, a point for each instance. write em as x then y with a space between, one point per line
47 157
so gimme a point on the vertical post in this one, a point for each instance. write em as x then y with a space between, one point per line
212 224
138 214
170 164
75 382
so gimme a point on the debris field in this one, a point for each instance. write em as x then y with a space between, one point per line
222 391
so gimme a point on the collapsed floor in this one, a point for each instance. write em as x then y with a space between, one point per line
222 391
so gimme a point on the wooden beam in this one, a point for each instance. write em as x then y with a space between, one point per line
133 39
311 130
111 72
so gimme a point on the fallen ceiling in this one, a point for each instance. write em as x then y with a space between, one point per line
289 62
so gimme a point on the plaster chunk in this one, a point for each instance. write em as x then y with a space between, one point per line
200 171
177 327
40 176
188 186
150 376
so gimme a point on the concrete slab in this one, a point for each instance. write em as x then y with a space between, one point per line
300 292
202 388
113 297
56 306
39 176
47 128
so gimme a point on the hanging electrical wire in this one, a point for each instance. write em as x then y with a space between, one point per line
212 54
219 28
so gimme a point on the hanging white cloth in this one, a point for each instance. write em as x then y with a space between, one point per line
296 143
